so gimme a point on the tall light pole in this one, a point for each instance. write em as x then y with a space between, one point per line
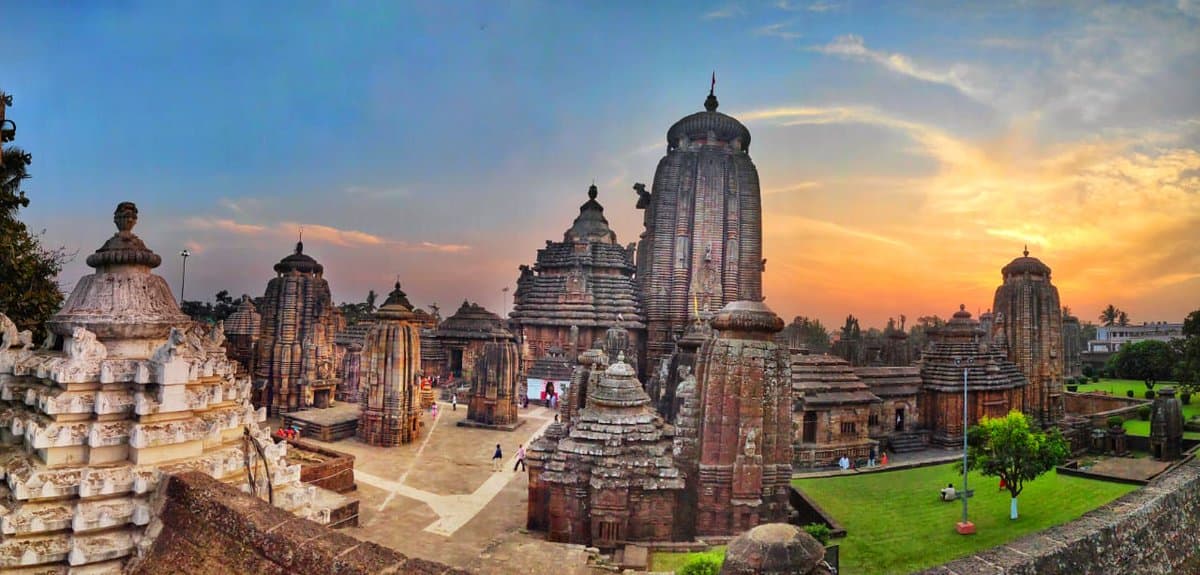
965 527
183 283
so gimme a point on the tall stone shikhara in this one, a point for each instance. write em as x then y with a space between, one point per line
297 363
1027 321
702 243
242 329
494 386
585 281
389 386
743 381
89 426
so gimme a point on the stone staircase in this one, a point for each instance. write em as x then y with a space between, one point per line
906 442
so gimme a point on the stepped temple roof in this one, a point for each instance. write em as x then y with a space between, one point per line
827 380
245 320
554 366
961 339
472 321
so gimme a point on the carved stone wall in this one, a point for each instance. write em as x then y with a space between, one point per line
745 446
1028 323
494 386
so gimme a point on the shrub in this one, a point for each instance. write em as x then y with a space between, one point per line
819 531
1144 413
1149 384
1149 394
1072 388
1128 393
1115 421
708 563
1185 397
1095 379
1088 371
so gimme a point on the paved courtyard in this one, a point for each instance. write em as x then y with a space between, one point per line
439 499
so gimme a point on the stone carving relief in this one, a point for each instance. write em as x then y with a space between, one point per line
8 333
83 356
750 448
169 350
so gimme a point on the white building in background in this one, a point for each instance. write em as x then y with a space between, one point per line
1109 339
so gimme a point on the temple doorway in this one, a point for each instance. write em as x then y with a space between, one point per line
810 427
900 419
456 361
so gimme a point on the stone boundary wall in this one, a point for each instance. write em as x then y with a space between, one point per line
335 474
1099 407
203 526
1153 530
808 511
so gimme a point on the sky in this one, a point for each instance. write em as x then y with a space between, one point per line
906 151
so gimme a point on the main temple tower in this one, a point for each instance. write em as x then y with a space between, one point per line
702 243
1028 322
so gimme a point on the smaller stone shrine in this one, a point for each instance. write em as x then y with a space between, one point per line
832 407
775 549
242 329
493 399
462 338
995 385
390 386
612 477
296 366
350 343
896 421
1166 426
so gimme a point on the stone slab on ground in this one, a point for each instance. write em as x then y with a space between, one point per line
1130 468
505 427
328 424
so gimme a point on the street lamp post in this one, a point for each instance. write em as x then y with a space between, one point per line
965 527
183 282
503 302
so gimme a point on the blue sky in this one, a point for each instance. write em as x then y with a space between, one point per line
906 151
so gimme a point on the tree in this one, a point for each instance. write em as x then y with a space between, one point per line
851 331
1187 353
371 297
206 312
29 291
1122 319
1109 315
1150 361
1012 450
811 333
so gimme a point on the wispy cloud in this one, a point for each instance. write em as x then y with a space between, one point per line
819 6
375 193
780 30
727 11
853 47
797 187
317 233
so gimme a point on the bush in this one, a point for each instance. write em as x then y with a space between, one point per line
1115 421
1185 397
1149 384
1128 393
819 531
708 563
1144 413
1088 371
1072 388
1095 379
1149 394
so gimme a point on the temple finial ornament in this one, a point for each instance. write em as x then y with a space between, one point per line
125 216
710 103
592 191
1026 250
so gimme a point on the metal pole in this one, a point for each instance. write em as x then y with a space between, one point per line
183 282
965 491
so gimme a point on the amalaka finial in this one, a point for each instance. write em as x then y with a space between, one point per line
1026 250
125 216
962 307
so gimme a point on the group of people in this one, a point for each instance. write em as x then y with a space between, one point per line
498 458
846 464
289 432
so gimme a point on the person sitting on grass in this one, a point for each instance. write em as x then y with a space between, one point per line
948 494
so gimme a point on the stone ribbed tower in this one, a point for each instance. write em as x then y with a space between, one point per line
296 358
242 329
493 401
702 243
390 369
1073 345
584 281
744 384
1027 321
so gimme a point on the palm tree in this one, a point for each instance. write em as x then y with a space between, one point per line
1122 319
1108 317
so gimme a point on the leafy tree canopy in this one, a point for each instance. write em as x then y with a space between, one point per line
1011 449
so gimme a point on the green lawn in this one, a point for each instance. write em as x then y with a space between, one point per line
669 562
896 524
1138 427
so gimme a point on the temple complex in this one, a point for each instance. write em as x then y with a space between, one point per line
462 337
125 389
389 391
583 282
611 478
494 387
702 241
1072 347
745 448
832 408
296 367
896 421
1028 323
995 385
242 329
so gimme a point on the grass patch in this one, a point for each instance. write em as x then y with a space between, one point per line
896 524
669 562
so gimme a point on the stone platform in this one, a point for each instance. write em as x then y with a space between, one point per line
506 427
328 424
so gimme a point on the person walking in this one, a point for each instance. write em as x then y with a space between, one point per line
497 458
520 458
871 459
453 401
